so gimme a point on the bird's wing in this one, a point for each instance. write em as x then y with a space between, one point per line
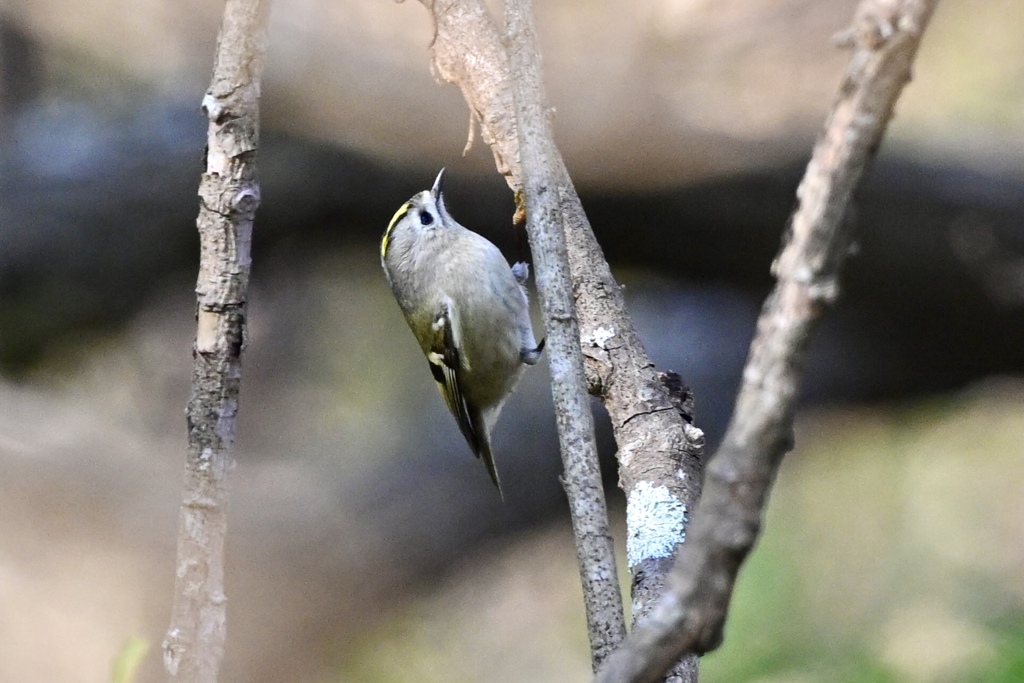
445 365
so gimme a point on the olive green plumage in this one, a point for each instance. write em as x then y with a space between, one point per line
467 309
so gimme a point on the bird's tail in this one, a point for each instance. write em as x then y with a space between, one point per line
482 446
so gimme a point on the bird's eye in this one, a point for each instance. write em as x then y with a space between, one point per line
426 218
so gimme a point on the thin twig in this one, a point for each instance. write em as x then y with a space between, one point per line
229 194
659 450
690 617
582 478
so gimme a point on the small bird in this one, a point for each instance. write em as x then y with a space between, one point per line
467 309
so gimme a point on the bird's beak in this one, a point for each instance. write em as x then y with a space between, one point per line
436 189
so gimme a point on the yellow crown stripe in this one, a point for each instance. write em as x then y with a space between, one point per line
399 215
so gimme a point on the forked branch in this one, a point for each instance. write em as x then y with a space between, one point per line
689 618
658 449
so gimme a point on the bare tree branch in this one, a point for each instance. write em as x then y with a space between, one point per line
659 450
229 194
582 480
691 615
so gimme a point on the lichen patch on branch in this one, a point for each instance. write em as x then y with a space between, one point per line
656 520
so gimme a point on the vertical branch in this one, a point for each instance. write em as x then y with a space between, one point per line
582 480
659 450
229 194
690 617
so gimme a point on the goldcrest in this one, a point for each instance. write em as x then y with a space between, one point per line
467 309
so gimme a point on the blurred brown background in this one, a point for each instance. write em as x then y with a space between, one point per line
366 544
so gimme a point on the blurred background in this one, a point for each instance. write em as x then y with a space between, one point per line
366 544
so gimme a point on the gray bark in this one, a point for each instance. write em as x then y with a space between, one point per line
542 197
229 195
658 449
690 617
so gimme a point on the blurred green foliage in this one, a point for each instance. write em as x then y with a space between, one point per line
893 551
128 660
